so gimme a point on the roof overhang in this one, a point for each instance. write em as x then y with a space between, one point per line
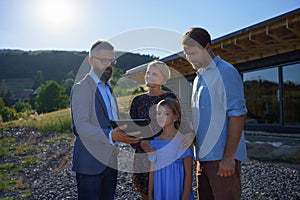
272 37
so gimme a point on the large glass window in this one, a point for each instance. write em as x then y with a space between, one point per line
291 94
262 96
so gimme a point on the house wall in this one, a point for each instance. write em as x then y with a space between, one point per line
182 87
272 93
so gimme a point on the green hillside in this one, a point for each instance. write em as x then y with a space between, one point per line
18 68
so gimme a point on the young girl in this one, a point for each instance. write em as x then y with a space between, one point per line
171 167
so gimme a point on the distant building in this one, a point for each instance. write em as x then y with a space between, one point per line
21 95
267 55
36 91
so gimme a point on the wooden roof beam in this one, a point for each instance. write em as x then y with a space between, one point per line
257 43
280 40
260 30
239 45
296 32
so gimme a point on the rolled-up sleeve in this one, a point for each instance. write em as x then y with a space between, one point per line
236 103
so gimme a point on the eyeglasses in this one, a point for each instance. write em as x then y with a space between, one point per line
106 61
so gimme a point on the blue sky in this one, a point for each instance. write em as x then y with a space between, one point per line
75 24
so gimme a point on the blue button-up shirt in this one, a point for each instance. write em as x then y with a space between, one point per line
105 91
218 94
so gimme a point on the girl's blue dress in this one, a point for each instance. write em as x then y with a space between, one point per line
169 168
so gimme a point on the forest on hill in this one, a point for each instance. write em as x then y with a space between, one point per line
19 68
41 81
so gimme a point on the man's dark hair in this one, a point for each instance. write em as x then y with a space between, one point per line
101 44
196 36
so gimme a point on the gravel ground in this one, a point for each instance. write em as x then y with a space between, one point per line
51 178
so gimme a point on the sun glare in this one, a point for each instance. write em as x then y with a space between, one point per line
56 14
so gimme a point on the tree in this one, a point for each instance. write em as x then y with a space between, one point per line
6 113
4 91
51 97
71 74
2 107
21 107
38 79
68 84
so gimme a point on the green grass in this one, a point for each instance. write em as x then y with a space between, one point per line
124 105
4 149
58 121
24 154
19 156
9 172
6 180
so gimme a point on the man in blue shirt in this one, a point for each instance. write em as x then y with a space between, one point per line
218 109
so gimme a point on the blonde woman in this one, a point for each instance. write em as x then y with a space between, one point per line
143 107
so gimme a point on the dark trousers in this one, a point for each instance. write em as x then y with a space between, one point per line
213 187
97 187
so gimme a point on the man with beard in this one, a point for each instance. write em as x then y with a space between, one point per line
93 105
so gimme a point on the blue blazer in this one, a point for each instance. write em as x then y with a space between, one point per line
92 150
